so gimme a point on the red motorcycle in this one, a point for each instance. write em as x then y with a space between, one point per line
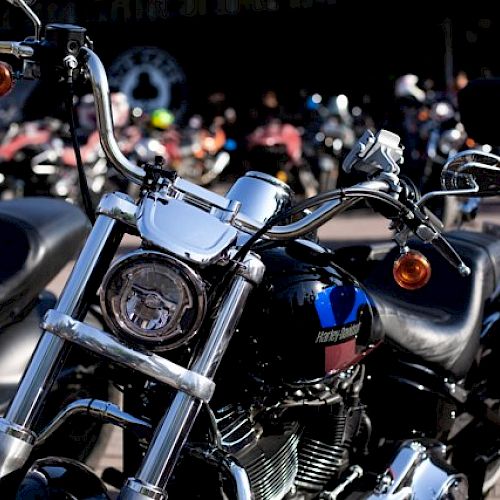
19 145
276 149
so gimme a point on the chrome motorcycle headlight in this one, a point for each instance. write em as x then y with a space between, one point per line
153 300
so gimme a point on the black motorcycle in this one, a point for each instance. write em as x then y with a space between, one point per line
39 237
238 342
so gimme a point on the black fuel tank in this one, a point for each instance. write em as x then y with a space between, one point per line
308 318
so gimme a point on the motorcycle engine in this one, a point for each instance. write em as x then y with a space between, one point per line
294 448
298 460
270 460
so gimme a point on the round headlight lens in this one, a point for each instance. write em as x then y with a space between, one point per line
153 299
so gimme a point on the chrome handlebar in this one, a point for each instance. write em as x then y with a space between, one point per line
336 201
339 200
100 88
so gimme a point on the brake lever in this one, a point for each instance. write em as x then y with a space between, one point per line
442 245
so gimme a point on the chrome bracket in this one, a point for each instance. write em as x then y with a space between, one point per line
118 206
252 269
16 444
137 490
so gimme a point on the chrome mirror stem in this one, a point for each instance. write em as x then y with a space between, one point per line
24 6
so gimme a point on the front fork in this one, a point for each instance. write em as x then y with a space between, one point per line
16 435
173 430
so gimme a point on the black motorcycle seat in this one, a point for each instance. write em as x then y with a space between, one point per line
38 237
441 322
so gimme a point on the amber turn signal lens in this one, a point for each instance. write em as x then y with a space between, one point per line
6 79
412 270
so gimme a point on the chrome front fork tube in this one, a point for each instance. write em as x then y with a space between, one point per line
16 435
172 432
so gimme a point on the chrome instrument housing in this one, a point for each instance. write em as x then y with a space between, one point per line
261 196
183 230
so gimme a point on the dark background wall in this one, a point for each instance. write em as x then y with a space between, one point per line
244 47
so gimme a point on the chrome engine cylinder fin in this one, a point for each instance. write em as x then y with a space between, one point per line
272 464
236 429
318 463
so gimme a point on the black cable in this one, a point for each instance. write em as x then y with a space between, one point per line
314 201
84 188
299 208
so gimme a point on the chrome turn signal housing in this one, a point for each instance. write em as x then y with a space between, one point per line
153 300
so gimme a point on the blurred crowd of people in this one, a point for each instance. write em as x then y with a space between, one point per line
298 138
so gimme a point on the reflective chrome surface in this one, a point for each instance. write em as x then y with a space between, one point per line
25 6
102 410
261 196
355 473
373 153
418 472
98 251
183 230
331 204
170 290
136 490
172 432
110 347
472 191
16 444
198 195
168 441
472 168
309 222
45 362
118 206
16 49
100 89
240 479
272 474
234 429
228 317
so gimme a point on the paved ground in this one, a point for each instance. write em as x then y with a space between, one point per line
351 226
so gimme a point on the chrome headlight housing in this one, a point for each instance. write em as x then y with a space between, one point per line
153 300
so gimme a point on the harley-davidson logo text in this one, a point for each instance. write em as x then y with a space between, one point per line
339 335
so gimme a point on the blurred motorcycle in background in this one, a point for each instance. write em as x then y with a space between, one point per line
275 148
433 133
198 153
327 138
35 159
20 144
445 137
